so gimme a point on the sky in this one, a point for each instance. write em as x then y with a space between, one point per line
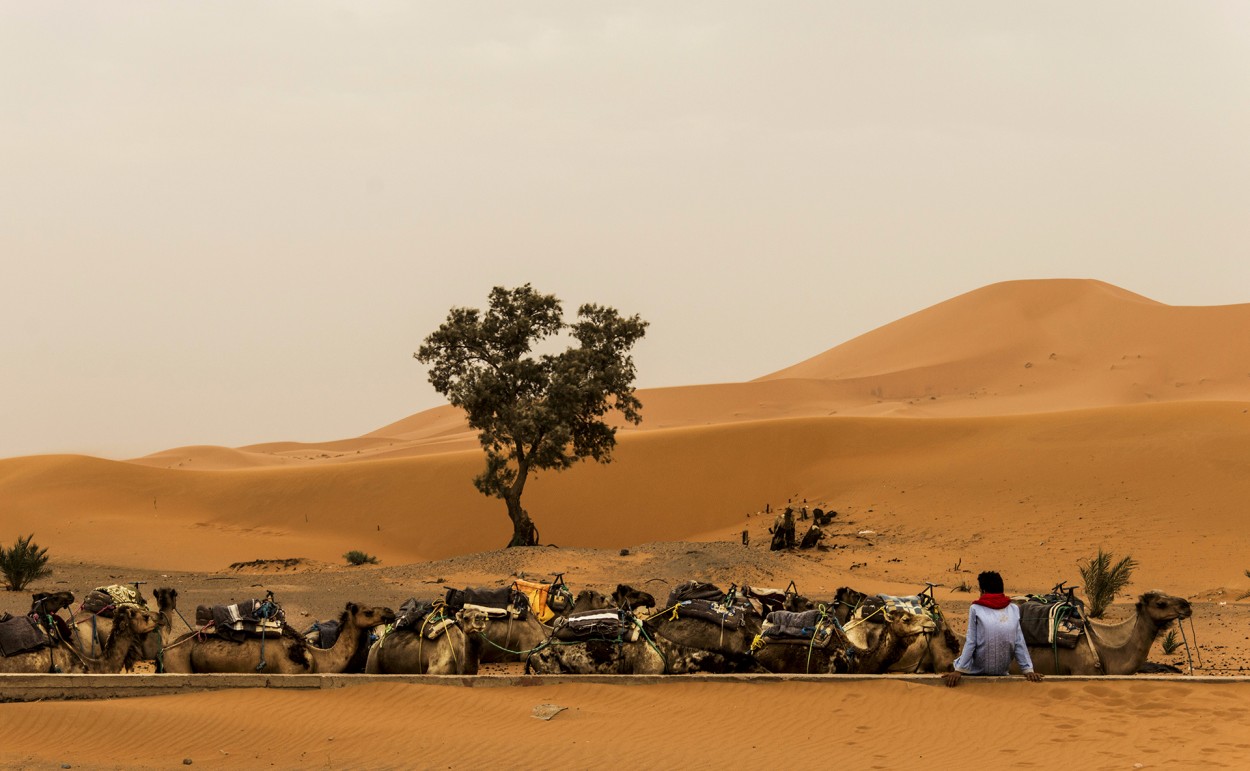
233 222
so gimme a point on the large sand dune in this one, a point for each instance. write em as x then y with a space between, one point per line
1066 407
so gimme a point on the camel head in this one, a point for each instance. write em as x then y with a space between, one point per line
627 597
849 597
137 619
1163 609
472 620
50 602
905 624
797 603
589 599
363 617
166 598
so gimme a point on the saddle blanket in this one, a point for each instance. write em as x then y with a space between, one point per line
783 623
103 599
733 617
20 634
868 609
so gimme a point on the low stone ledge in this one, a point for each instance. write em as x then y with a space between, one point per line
25 687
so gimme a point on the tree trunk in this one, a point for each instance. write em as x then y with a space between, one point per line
523 531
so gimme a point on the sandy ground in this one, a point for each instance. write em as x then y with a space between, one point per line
891 725
1018 427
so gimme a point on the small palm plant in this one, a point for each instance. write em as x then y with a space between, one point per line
1247 594
1103 580
1171 642
23 563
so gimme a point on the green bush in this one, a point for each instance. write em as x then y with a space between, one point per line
23 563
357 557
1103 581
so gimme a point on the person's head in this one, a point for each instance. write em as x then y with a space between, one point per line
990 582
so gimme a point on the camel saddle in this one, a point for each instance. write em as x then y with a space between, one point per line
19 634
1052 619
694 590
869 607
538 597
716 612
593 625
102 600
423 617
323 634
504 598
250 618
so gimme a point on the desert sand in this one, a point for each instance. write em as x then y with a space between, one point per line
1021 427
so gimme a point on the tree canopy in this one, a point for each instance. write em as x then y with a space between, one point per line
534 411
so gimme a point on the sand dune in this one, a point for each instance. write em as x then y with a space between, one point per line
1129 435
1012 348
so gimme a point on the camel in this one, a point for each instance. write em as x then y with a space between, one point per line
510 639
286 654
646 655
130 625
365 635
1113 648
457 651
91 630
878 654
935 652
900 632
732 641
639 657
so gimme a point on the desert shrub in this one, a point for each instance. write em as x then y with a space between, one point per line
357 557
1247 594
1171 642
963 586
1103 580
23 563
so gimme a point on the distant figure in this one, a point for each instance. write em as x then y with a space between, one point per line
768 509
783 530
994 635
812 537
803 511
746 537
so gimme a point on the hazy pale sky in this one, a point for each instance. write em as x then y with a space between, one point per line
233 222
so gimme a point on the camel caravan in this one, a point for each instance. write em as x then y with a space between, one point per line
699 628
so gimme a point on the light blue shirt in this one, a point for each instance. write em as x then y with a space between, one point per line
994 637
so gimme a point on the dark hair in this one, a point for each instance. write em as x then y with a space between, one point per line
991 582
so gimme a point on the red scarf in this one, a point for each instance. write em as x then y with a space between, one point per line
995 601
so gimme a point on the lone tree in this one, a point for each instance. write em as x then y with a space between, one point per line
534 411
